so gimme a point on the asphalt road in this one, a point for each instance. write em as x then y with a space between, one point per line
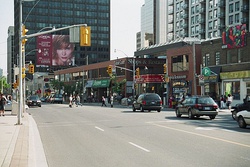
94 136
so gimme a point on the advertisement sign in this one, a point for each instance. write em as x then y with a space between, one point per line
234 37
44 44
56 50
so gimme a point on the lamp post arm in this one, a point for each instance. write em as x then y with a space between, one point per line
50 31
124 68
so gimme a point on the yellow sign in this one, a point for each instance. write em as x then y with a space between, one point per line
235 75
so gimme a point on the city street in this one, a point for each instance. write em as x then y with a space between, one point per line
95 136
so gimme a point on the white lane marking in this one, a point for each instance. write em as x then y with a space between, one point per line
144 149
201 135
205 128
99 128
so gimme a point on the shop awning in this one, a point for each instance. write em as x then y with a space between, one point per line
101 83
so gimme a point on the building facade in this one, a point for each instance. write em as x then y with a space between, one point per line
43 15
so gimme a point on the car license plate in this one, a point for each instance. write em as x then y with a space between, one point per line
206 108
152 102
34 103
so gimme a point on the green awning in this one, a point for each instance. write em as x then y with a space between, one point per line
101 83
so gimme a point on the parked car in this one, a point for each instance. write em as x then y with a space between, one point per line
243 118
57 98
148 101
240 107
196 106
34 100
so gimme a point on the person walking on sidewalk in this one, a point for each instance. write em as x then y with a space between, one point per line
2 103
229 101
103 101
111 100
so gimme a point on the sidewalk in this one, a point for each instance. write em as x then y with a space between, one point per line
20 145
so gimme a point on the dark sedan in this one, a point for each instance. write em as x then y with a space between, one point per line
148 101
34 100
196 106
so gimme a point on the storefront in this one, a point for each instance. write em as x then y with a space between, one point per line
237 84
100 88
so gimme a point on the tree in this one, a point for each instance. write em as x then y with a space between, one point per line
57 85
3 84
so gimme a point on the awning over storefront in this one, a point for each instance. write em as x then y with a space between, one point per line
101 83
89 84
215 75
235 75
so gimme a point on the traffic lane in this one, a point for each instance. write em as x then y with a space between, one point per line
70 143
139 135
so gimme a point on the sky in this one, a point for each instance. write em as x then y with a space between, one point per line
125 23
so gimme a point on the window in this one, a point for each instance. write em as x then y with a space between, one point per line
180 63
232 88
217 58
231 19
231 8
206 60
237 18
237 6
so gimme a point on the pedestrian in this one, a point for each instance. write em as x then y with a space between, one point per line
78 99
229 101
103 101
70 101
222 103
2 104
111 101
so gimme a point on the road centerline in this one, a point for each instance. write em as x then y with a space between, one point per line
99 128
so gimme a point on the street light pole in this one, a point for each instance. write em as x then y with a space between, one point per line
194 59
20 66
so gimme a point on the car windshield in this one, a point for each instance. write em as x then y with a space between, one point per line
33 97
206 100
58 95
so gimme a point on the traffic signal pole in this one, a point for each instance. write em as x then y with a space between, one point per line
22 38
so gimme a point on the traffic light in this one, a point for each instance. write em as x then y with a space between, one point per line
109 70
165 68
85 36
24 31
137 72
31 69
13 85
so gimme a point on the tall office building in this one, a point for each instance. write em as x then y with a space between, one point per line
169 20
11 57
42 15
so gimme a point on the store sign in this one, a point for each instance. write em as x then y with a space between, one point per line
150 78
235 75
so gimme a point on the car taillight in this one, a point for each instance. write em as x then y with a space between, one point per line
215 106
144 102
198 106
160 102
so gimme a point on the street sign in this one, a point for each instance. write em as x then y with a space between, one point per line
206 71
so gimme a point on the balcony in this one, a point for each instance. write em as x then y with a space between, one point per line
202 1
202 31
201 10
221 4
170 2
245 8
221 26
244 20
185 6
201 21
221 15
170 11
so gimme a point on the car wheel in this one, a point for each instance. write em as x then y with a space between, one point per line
158 110
234 112
190 115
134 108
177 112
241 122
141 109
149 110
212 116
